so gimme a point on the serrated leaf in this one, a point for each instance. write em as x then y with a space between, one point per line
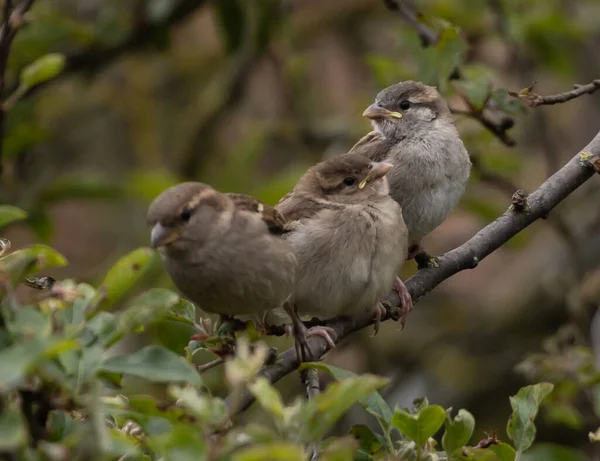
420 426
13 432
42 69
458 431
267 397
30 260
276 451
373 403
326 408
124 274
154 363
525 405
182 311
9 214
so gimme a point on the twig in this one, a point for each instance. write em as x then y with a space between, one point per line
207 366
12 21
467 256
310 379
533 99
430 37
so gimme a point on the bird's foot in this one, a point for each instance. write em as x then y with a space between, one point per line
413 251
405 299
378 311
426 261
301 335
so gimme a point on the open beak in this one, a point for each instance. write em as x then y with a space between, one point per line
378 170
161 235
376 112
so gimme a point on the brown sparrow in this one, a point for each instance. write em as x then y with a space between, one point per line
349 238
413 130
223 251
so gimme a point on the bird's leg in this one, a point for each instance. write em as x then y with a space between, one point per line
379 311
301 334
424 260
405 299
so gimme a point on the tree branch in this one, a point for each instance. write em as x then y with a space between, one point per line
533 99
467 256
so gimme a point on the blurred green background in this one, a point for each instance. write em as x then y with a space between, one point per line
246 94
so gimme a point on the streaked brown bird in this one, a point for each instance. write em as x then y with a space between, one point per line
413 129
223 251
349 238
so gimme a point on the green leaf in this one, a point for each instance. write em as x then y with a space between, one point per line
369 442
146 309
326 408
182 311
9 214
183 443
17 360
504 451
276 451
525 405
231 20
13 434
419 427
124 274
29 321
267 397
475 91
30 260
154 363
458 431
42 69
507 103
373 403
553 452
338 449
204 407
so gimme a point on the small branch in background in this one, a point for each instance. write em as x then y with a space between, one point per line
310 379
430 37
492 178
534 100
207 366
553 191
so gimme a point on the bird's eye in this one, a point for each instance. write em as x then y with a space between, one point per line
349 181
185 215
405 104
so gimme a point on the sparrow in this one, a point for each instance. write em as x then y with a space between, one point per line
349 238
413 129
223 251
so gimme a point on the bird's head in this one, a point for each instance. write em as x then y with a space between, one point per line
187 213
406 108
348 178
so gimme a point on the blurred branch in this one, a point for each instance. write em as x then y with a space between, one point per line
430 37
491 177
94 58
533 99
538 205
12 21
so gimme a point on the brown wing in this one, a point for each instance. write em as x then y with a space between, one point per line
296 207
272 218
373 146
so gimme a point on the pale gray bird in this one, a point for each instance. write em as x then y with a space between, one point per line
224 252
414 130
349 238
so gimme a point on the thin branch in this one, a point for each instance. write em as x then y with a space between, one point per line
533 99
430 37
539 204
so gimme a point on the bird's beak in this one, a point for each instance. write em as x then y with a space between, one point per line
376 112
162 235
378 170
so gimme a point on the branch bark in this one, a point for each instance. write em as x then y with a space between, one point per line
539 204
533 99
